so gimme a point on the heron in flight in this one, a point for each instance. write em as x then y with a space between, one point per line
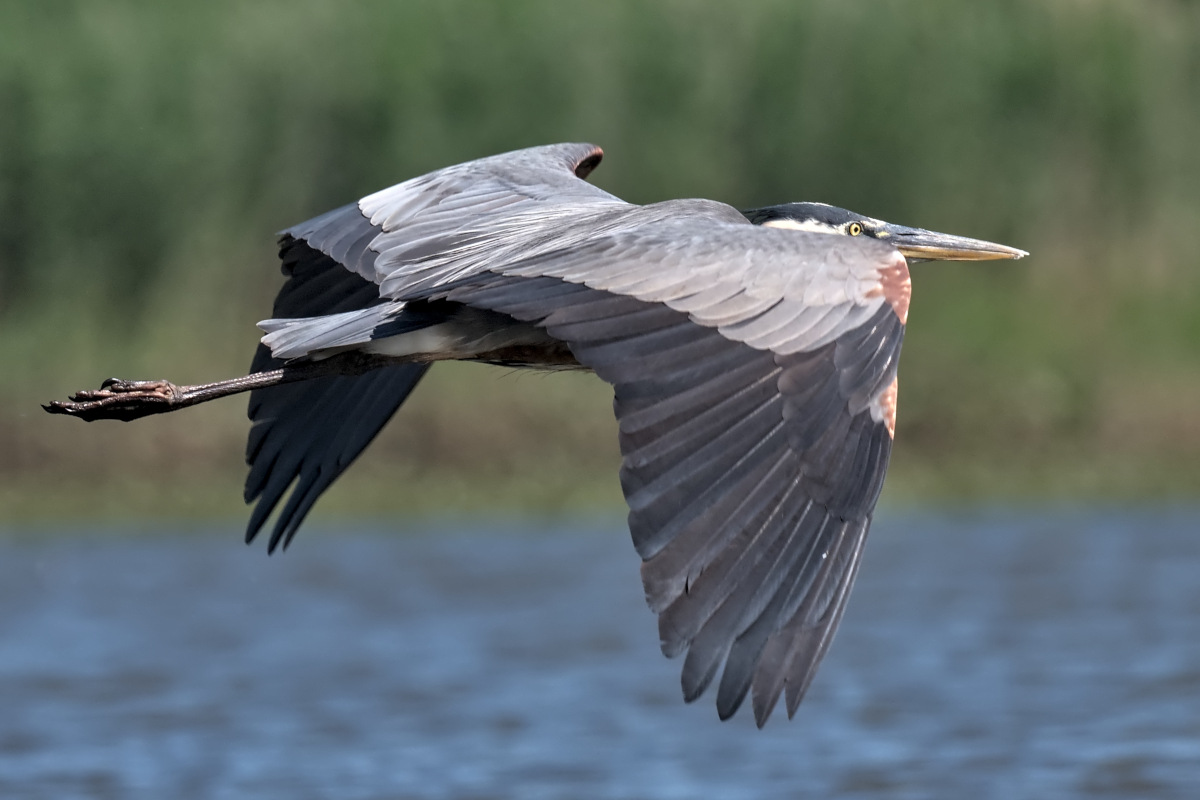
752 357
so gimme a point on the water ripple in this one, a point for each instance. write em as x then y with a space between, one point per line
1002 655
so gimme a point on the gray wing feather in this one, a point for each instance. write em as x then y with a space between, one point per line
441 213
445 224
749 477
784 291
345 235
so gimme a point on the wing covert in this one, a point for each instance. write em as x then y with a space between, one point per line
443 213
444 225
779 290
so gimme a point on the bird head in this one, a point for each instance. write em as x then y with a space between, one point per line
915 244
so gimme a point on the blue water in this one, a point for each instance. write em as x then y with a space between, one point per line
982 656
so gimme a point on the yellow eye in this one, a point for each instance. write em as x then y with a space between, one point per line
854 229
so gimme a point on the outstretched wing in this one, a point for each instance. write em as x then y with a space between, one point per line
306 434
754 375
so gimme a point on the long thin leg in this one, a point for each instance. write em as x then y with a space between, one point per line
129 400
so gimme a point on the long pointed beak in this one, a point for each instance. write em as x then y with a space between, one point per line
922 245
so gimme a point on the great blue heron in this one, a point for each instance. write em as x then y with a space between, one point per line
754 370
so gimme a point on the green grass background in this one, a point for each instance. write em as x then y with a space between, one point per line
148 151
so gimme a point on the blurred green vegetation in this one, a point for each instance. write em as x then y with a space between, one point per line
148 152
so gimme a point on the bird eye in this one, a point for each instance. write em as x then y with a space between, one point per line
854 229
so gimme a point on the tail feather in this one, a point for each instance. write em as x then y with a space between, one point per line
306 336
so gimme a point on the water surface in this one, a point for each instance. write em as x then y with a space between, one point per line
982 656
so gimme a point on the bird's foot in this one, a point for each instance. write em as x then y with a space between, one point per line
118 399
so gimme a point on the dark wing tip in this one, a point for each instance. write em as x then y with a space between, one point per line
584 166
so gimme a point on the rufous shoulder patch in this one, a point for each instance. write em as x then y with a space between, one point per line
895 285
887 404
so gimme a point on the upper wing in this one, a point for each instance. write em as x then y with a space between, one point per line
779 290
464 219
307 433
421 216
755 385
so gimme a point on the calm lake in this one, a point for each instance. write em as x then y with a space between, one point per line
983 655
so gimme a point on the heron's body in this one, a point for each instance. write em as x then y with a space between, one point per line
754 370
